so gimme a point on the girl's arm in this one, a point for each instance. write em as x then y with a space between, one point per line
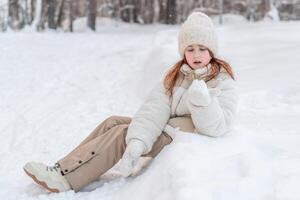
213 115
151 118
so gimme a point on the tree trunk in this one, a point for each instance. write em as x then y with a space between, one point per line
124 14
171 12
65 18
136 11
15 15
92 14
156 11
148 13
32 10
162 11
51 14
44 15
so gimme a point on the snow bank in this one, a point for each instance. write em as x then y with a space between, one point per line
57 86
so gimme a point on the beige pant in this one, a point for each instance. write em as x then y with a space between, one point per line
100 151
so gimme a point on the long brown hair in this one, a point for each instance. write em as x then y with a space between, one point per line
173 73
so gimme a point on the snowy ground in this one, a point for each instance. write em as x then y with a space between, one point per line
55 86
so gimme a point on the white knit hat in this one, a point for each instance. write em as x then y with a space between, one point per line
197 29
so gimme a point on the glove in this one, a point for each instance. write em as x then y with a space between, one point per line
200 95
171 131
133 152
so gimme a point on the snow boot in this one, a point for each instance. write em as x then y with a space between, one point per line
48 177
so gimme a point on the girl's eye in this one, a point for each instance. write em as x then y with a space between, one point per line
190 50
202 49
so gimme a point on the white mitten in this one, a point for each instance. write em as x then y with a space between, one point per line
199 94
133 152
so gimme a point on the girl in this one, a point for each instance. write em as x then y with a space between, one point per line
198 94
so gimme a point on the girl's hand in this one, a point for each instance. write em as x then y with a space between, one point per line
133 152
199 94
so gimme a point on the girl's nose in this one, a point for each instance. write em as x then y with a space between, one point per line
197 54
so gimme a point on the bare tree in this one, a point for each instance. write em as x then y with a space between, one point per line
31 11
148 13
16 15
44 15
124 12
162 11
91 13
65 18
144 11
56 14
171 12
51 14
52 22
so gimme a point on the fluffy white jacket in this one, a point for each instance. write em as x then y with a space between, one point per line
214 119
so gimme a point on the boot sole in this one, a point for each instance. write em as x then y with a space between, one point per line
41 183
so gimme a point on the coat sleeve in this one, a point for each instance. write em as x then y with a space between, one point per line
149 121
217 118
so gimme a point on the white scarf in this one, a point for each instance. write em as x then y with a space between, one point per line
191 73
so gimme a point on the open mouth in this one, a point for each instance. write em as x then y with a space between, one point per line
197 62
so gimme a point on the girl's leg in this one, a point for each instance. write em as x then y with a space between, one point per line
97 156
104 126
94 158
50 177
100 151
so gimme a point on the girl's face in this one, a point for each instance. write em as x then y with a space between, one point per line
197 56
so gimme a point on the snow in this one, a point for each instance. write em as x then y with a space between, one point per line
273 14
57 87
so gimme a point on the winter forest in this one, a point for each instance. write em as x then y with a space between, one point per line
67 66
60 14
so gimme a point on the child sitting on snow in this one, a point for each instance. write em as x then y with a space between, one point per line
198 94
